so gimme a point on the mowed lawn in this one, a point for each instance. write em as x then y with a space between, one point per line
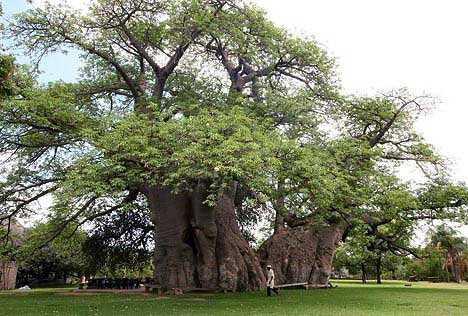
349 299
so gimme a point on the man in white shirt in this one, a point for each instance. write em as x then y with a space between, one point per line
271 281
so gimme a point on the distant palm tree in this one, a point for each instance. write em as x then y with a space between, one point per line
455 248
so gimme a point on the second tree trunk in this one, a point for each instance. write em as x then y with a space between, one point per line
303 253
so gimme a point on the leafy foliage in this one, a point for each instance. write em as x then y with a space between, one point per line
61 258
120 241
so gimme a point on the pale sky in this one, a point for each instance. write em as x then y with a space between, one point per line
382 45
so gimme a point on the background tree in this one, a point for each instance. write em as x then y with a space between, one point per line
393 216
453 246
429 265
120 242
57 262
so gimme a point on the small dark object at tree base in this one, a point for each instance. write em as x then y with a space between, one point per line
225 291
412 278
177 291
408 284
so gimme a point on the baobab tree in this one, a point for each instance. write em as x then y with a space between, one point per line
200 108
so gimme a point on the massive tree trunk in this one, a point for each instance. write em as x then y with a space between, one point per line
303 253
198 246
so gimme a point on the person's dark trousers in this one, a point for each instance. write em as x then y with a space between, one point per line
269 289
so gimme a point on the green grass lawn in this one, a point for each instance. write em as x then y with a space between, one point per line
350 299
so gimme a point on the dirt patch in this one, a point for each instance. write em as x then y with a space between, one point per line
196 299
151 298
13 293
202 294
94 292
78 293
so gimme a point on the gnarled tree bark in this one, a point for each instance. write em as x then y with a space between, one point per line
198 246
303 253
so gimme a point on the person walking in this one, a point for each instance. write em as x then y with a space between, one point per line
271 281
